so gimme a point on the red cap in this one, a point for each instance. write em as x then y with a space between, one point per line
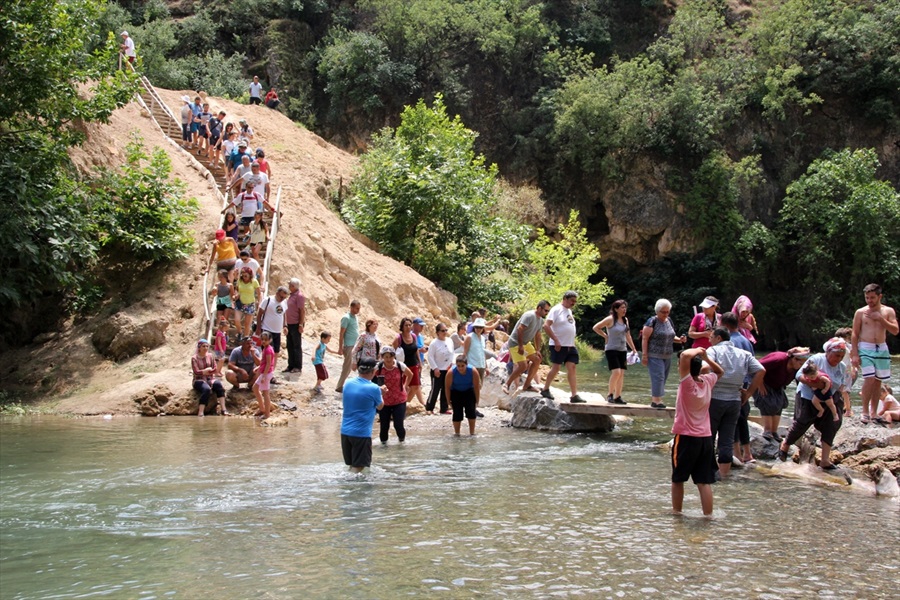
220 234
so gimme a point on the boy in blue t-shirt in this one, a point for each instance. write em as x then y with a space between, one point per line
319 360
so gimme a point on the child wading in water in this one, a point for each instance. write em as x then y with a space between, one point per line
220 346
319 360
266 371
821 387
693 451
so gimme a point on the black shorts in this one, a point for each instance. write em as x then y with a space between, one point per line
357 450
695 458
255 100
214 139
564 355
463 403
616 359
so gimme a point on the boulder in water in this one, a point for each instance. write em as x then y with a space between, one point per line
531 411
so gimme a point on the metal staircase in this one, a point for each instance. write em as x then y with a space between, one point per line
165 119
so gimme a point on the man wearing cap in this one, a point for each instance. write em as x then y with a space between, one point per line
255 91
270 316
361 399
729 394
241 364
236 158
560 329
830 363
127 47
347 337
295 319
186 116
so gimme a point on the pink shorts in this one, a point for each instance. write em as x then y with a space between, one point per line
263 381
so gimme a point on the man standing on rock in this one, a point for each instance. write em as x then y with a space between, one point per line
295 319
560 330
361 400
729 394
270 316
525 346
868 347
256 91
347 338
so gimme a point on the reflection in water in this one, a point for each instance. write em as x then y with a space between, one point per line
189 508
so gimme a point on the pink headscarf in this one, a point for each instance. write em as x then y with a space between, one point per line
743 303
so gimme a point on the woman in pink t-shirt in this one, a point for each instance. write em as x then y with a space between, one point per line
704 322
693 451
266 371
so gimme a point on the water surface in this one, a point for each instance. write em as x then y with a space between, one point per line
222 508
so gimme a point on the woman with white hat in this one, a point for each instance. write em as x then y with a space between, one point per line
704 322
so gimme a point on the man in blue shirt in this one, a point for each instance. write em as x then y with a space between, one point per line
361 399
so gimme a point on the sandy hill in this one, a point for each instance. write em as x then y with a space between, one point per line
313 244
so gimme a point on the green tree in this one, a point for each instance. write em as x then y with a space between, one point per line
840 228
56 70
141 211
427 199
553 267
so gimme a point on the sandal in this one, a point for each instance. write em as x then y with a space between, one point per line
830 467
782 454
864 419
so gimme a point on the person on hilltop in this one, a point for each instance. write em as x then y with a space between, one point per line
704 322
295 319
224 254
255 91
270 316
463 386
657 338
693 455
729 394
242 364
440 360
770 397
347 337
524 346
203 366
361 400
127 47
393 377
805 414
868 347
618 339
272 100
560 329
406 341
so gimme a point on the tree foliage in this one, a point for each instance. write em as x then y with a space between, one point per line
141 211
427 199
552 267
840 228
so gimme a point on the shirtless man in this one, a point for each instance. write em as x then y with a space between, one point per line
869 351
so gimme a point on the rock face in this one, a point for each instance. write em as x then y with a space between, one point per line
868 461
121 337
531 411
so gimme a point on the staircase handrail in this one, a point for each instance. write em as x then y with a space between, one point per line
270 246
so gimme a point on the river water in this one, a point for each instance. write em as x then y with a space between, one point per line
222 508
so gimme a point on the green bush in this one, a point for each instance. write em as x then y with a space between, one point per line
141 211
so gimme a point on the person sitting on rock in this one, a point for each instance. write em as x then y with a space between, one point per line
272 100
888 408
242 364
203 366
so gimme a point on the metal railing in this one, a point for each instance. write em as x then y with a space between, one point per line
270 246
